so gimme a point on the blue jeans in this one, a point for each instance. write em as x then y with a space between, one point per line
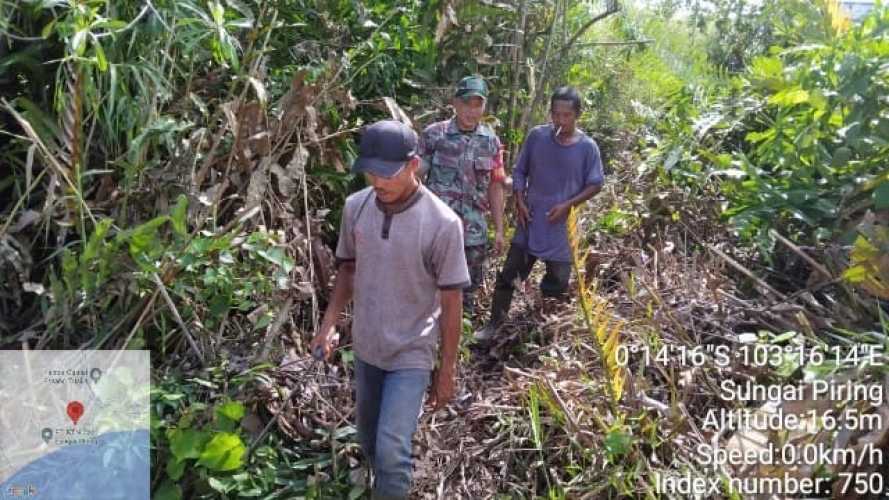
391 399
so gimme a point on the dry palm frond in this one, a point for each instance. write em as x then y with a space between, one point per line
599 321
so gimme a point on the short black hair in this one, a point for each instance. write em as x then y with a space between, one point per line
566 93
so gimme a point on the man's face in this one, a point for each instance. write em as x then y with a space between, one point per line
469 111
397 188
563 116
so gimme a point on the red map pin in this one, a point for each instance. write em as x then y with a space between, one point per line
75 411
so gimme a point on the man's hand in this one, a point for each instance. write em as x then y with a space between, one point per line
442 389
499 242
522 212
323 341
558 213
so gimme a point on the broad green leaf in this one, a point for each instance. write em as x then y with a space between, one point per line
767 68
187 443
855 274
224 452
175 469
881 196
168 491
841 157
789 97
232 410
276 255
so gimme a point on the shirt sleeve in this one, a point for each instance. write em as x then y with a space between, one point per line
520 173
345 247
425 148
448 257
594 174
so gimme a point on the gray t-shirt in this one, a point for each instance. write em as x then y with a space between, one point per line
402 259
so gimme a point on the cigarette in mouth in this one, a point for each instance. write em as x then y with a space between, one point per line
558 130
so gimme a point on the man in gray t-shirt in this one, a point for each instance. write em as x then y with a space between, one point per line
401 261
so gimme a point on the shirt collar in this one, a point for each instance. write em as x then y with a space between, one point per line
401 207
481 129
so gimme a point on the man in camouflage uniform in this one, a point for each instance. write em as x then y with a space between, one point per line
464 167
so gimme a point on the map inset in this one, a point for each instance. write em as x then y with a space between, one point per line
74 425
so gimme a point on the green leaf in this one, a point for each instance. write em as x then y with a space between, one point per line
175 469
101 61
110 24
841 157
784 337
617 443
277 256
855 274
232 410
767 68
168 491
91 250
881 196
218 13
356 492
220 486
78 42
47 30
224 452
187 443
755 137
179 214
143 239
789 97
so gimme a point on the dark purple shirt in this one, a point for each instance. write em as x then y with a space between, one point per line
550 173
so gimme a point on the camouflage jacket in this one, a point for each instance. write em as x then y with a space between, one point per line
458 169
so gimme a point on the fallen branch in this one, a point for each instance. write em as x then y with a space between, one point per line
191 342
746 272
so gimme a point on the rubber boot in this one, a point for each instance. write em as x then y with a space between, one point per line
499 309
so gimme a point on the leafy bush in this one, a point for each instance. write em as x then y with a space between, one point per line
797 141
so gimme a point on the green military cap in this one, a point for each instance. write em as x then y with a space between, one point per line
472 86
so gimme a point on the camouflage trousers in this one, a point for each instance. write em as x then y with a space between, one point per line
475 260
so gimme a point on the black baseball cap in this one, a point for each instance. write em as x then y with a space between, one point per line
472 86
386 146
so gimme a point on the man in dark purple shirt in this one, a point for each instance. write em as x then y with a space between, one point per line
559 168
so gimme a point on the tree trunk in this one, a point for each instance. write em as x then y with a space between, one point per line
541 89
517 64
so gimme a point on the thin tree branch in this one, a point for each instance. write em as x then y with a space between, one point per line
613 8
628 42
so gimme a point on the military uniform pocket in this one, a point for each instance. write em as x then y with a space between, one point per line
484 163
445 169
